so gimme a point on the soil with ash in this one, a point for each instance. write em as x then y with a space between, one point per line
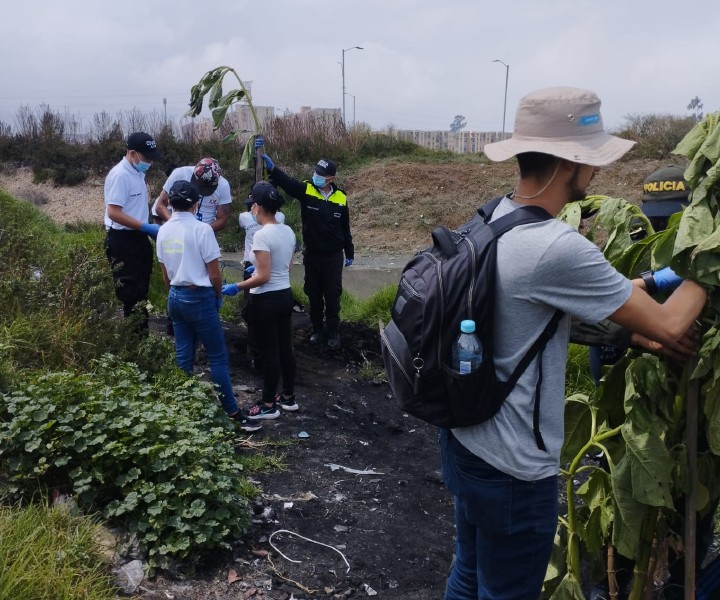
361 477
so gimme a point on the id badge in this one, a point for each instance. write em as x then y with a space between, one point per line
198 216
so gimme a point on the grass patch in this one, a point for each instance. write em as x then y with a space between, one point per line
578 378
48 553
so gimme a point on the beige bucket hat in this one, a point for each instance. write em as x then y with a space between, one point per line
563 122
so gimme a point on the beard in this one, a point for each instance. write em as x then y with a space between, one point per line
576 193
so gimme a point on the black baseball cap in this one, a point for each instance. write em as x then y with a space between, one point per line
665 192
145 144
183 193
263 194
325 168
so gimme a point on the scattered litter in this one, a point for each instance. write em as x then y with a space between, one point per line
364 443
340 528
303 434
232 576
347 410
368 590
392 584
259 552
287 505
335 467
307 540
243 388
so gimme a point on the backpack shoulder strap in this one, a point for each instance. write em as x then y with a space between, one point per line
520 216
487 209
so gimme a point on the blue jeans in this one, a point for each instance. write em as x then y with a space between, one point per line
504 526
195 317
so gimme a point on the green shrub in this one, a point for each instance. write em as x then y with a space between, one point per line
656 135
47 553
155 457
368 311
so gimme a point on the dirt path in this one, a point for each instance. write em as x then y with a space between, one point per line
393 525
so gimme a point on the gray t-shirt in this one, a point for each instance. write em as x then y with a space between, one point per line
541 267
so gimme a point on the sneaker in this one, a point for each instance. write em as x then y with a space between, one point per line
260 411
244 422
288 404
334 340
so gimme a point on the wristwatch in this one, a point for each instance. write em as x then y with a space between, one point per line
649 279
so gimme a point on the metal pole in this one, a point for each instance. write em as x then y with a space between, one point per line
165 105
507 76
343 79
353 111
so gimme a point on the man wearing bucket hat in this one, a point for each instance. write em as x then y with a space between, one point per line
127 246
326 235
215 198
503 477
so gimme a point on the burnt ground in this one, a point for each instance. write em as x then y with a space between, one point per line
394 525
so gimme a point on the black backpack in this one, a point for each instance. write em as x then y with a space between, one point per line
453 280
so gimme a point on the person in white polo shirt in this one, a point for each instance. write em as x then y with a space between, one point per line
215 199
189 256
271 302
127 246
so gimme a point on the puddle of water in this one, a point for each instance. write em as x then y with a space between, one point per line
362 279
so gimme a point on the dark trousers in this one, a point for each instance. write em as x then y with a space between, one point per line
131 256
323 286
504 527
271 316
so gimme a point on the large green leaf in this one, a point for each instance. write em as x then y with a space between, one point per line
578 421
629 512
650 465
569 589
596 493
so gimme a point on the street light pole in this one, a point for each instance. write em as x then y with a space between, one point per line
507 75
343 78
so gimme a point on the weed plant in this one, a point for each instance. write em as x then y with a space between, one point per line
156 458
48 553
59 305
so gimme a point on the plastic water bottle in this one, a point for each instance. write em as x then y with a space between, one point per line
467 351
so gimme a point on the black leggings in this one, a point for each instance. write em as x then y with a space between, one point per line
271 316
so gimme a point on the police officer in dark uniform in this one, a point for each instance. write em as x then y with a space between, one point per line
326 236
665 192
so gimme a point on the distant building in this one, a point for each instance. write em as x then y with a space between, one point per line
324 113
461 142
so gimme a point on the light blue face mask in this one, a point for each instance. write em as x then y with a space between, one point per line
142 167
319 181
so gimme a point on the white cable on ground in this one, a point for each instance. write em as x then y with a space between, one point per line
307 540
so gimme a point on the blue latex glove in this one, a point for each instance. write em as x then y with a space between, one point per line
259 141
230 289
218 303
250 270
151 229
297 248
348 262
666 280
268 162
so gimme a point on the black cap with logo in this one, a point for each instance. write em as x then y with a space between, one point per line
665 192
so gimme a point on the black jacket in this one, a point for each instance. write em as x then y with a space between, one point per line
325 223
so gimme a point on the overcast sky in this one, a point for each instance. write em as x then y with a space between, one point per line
422 63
